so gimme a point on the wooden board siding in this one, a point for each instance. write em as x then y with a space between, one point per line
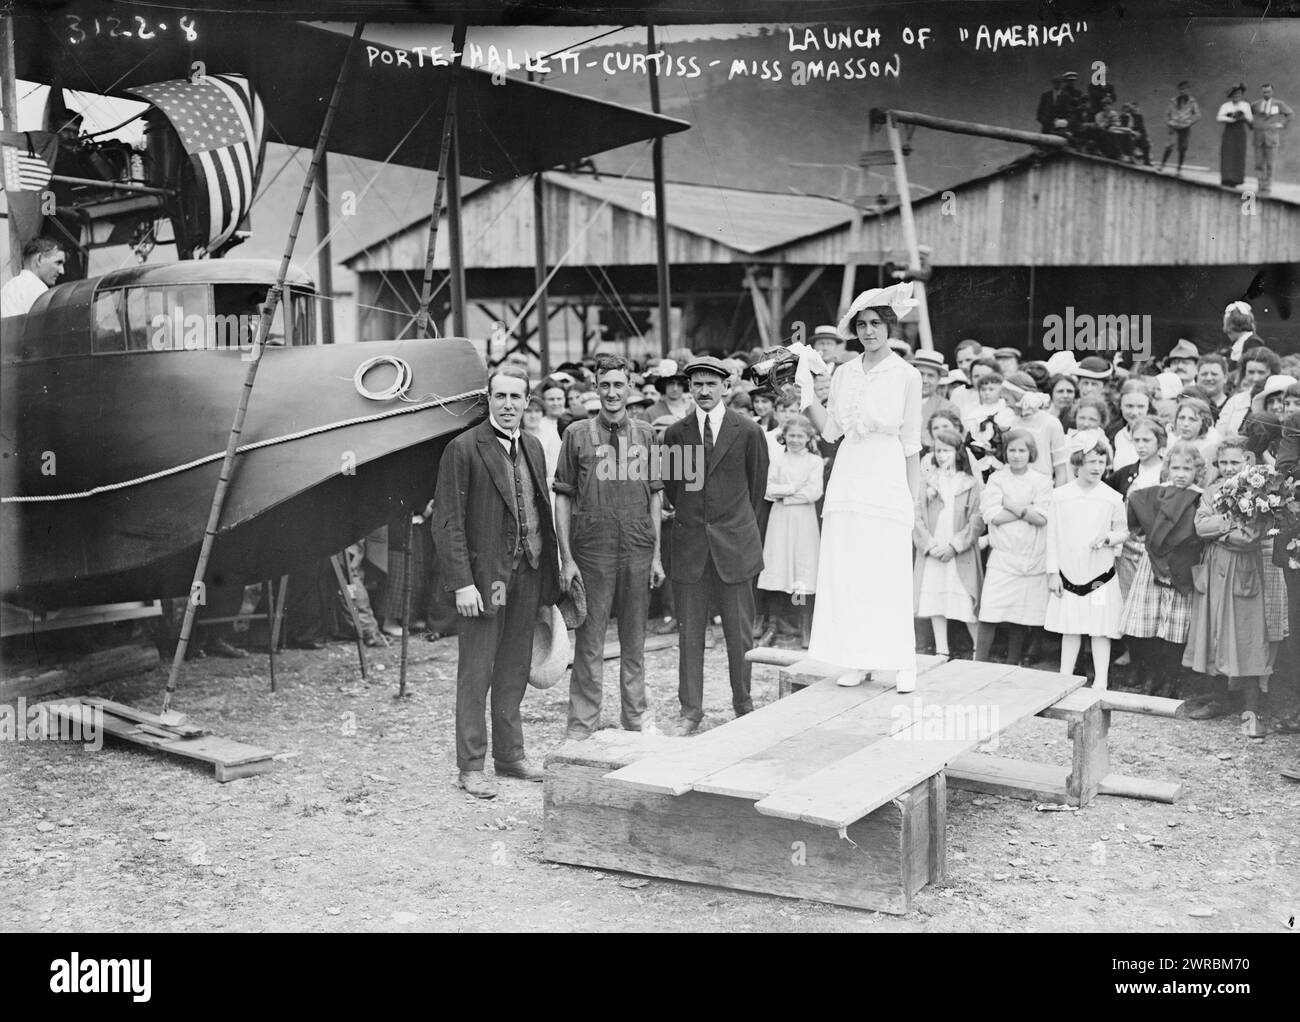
1076 211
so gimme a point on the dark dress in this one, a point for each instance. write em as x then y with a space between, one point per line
1232 153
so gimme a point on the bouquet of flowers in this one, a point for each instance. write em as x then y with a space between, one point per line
1259 498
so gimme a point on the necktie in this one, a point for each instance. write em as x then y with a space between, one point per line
514 444
708 440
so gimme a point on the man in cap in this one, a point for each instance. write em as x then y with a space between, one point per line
495 543
1008 360
1180 115
1092 374
1058 110
932 369
608 500
828 343
1182 360
1271 118
714 544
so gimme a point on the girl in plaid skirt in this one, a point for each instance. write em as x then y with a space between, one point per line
1158 608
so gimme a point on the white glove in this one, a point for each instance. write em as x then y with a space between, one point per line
810 364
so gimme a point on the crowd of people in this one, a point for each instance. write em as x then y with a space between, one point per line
1057 505
1096 122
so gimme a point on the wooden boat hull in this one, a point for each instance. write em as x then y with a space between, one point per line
119 443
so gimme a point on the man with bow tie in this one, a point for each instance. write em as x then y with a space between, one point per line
714 544
496 551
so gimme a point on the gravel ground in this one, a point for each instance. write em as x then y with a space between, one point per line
360 826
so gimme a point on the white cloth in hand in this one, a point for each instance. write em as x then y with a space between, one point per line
811 364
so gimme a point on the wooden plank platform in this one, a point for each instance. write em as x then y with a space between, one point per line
230 759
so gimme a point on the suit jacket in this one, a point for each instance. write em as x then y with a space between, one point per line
719 517
475 521
1288 464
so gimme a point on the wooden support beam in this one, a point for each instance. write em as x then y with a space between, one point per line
760 308
1090 755
805 285
1151 706
776 303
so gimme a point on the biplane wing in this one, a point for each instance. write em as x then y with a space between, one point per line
390 112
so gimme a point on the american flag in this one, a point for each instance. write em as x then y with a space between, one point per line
22 171
220 123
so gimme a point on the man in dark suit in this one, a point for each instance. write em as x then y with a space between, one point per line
1058 113
496 550
715 476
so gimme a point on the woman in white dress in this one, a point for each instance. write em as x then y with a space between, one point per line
863 617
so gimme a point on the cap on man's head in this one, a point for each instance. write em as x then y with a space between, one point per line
1183 349
1184 84
1007 353
1094 368
1069 76
708 364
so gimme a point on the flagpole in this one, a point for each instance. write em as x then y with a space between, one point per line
9 104
268 313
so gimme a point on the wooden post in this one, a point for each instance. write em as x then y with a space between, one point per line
455 233
776 302
407 587
250 377
539 271
661 222
9 105
444 155
324 259
270 629
345 587
909 233
1090 760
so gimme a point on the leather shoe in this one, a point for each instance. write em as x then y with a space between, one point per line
1209 711
521 769
478 784
221 648
665 626
686 726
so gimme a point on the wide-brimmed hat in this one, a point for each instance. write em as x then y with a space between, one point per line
1094 368
573 604
1183 349
1062 363
1273 385
1239 87
933 359
955 375
551 648
667 370
897 297
827 330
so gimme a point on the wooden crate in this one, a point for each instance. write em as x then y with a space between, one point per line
878 862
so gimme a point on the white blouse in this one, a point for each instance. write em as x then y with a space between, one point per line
884 400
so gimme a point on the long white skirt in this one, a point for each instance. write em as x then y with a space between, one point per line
863 615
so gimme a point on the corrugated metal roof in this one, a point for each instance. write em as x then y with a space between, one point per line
741 220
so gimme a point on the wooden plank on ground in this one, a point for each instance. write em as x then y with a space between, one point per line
997 775
766 770
92 669
1140 787
142 717
230 759
858 784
